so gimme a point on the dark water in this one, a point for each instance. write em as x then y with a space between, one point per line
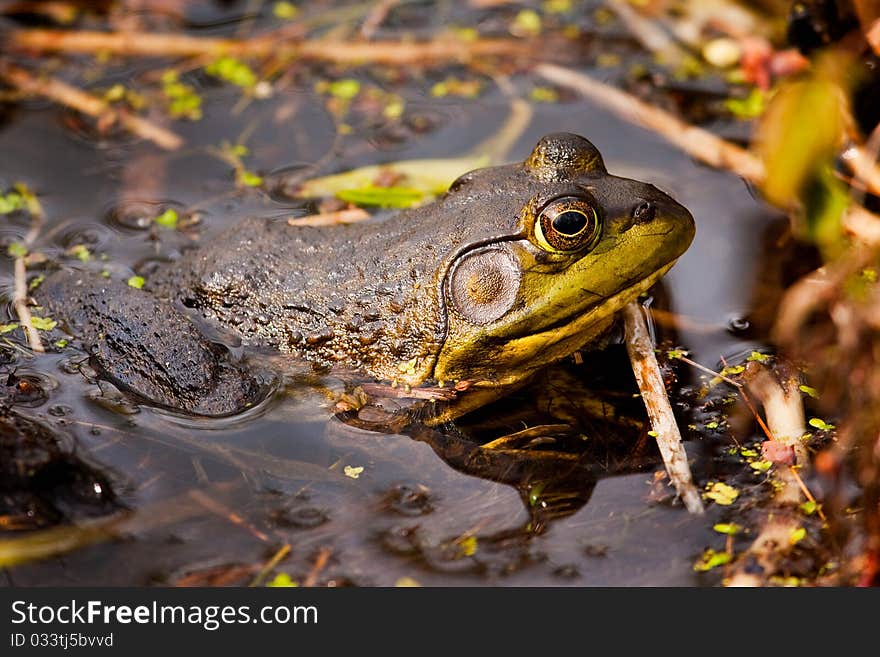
274 476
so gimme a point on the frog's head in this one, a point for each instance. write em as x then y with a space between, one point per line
566 246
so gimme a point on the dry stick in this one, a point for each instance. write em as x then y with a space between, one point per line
647 371
498 145
341 52
19 302
274 561
696 142
63 93
221 510
20 291
864 167
320 563
336 218
647 32
376 17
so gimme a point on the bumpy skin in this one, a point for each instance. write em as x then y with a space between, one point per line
146 347
377 296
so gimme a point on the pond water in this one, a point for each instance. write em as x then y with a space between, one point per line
213 496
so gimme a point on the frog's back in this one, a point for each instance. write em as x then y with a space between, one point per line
366 294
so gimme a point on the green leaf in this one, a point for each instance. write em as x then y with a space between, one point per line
282 580
711 559
11 202
797 536
556 6
749 107
249 178
80 252
809 507
17 250
63 342
35 282
344 89
43 323
284 10
527 23
810 392
232 70
758 357
167 219
729 528
544 95
136 282
821 424
761 466
385 197
8 328
183 100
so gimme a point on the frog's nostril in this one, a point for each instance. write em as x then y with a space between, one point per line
644 212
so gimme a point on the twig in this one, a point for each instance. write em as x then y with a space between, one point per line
498 145
647 372
19 302
376 17
696 142
20 293
274 561
151 44
347 216
219 509
320 563
726 379
63 93
873 36
647 32
863 166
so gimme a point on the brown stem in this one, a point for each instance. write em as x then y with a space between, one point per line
341 52
84 102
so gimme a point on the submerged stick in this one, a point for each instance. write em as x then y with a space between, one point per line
65 94
641 353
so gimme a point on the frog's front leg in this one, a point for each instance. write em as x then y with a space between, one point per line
146 347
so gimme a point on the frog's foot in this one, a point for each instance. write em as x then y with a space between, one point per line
146 347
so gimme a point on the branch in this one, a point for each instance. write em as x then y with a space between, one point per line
647 371
152 44
696 142
65 94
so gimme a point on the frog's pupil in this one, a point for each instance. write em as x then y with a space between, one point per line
570 222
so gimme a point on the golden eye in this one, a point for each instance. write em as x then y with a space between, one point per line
567 225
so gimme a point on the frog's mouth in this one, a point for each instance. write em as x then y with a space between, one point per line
526 354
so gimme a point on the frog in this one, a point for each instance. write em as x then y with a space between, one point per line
513 268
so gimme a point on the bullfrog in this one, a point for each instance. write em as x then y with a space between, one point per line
513 268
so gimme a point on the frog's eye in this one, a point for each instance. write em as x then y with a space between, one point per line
567 225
